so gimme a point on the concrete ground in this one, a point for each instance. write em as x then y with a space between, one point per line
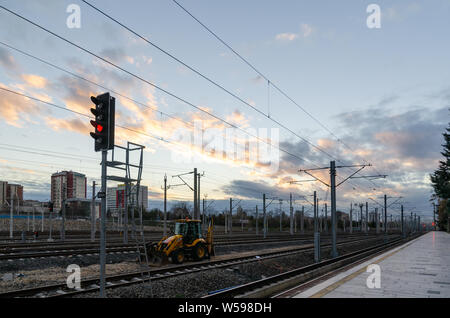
417 269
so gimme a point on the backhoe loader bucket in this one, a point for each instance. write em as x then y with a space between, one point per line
155 257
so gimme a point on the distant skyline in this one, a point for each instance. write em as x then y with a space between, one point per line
383 92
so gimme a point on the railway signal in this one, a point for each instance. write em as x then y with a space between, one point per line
104 122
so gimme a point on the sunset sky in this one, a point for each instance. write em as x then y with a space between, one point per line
384 93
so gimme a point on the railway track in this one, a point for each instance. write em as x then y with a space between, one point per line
24 251
126 279
273 285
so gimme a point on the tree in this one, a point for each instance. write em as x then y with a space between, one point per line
180 210
440 180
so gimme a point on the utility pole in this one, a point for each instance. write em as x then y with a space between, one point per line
281 216
377 220
42 223
198 196
316 225
264 215
257 220
316 231
11 216
351 218
291 209
195 216
367 217
334 253
63 223
34 210
360 217
302 220
203 215
50 216
165 206
326 219
231 217
93 221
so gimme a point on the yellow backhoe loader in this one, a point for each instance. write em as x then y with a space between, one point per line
186 243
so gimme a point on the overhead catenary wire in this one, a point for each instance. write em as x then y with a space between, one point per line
153 85
122 69
218 85
270 82
209 79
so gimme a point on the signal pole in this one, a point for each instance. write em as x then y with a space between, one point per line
93 221
103 226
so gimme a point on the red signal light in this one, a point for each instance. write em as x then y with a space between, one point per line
97 126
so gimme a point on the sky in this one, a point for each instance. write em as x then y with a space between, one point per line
362 95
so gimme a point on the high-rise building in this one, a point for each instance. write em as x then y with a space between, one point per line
14 191
3 192
67 185
115 197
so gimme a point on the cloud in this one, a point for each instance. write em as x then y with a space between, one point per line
253 189
286 36
35 81
7 61
81 126
16 110
306 30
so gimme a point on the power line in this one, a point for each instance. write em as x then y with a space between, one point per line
148 82
93 83
207 78
270 82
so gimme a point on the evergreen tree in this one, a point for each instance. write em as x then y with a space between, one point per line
440 181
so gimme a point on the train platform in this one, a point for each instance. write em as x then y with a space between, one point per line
417 269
